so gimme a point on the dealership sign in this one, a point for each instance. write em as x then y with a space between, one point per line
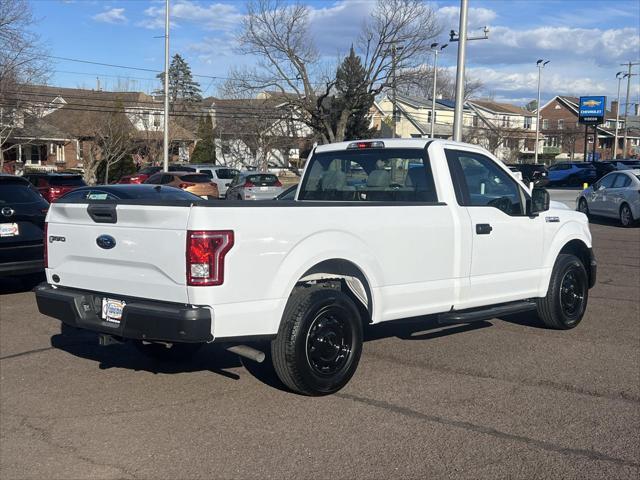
592 110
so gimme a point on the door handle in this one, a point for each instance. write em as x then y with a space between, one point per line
483 229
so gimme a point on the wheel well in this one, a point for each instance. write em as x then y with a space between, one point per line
580 250
348 277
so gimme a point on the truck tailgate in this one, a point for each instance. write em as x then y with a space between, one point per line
147 259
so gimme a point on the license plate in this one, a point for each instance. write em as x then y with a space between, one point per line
9 230
112 310
264 189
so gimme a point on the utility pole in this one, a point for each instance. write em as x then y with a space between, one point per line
462 46
393 89
540 64
435 50
615 142
166 88
626 105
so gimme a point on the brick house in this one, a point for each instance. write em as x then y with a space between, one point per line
565 137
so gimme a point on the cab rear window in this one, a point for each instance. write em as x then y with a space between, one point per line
14 193
264 180
382 175
75 181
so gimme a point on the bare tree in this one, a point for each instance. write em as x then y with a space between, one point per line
419 82
277 33
21 62
111 137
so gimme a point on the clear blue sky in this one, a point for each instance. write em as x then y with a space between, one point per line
585 40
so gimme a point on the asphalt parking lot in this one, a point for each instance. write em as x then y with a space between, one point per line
500 399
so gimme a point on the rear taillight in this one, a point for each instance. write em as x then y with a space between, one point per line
248 184
186 185
206 250
54 193
46 250
277 184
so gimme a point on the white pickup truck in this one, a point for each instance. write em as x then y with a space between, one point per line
380 230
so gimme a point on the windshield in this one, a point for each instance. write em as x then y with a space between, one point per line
369 175
14 193
227 173
66 181
195 178
264 180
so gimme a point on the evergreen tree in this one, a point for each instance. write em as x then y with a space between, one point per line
352 103
205 151
181 83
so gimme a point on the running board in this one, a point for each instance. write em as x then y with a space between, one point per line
480 314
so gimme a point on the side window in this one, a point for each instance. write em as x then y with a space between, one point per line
208 173
621 181
166 179
607 182
154 179
480 182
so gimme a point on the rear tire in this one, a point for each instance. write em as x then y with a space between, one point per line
319 342
626 216
177 352
567 296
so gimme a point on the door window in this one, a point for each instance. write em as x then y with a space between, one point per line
621 181
607 182
166 179
480 182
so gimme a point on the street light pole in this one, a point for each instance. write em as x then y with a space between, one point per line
165 145
615 142
462 46
435 51
540 64
628 75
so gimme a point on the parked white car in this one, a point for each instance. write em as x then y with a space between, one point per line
221 175
616 195
380 230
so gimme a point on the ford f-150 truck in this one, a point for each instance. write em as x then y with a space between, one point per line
380 230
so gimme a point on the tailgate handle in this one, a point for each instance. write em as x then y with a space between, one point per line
103 213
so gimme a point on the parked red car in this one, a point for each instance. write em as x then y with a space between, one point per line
53 185
140 176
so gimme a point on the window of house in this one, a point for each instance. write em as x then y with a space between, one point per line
545 123
35 154
81 150
527 122
475 121
156 119
560 124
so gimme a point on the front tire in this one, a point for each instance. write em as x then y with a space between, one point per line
318 346
626 216
566 301
583 207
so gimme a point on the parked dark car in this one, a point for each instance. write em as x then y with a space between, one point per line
572 174
22 214
125 192
602 168
288 194
144 173
532 172
53 185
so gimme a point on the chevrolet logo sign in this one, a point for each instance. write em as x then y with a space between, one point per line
591 103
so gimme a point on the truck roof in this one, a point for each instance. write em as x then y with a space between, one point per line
390 143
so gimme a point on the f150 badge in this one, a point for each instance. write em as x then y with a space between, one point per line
106 241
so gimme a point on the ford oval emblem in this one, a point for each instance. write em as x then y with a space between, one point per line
106 241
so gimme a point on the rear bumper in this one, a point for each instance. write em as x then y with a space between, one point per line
141 319
593 268
21 268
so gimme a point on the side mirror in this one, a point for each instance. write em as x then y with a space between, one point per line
539 201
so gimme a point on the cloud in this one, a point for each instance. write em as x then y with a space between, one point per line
449 17
211 16
114 15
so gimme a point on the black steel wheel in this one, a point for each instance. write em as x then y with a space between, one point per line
583 207
566 301
626 216
318 346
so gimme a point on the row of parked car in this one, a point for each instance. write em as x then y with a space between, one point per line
569 174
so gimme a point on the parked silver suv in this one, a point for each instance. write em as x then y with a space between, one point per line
254 186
